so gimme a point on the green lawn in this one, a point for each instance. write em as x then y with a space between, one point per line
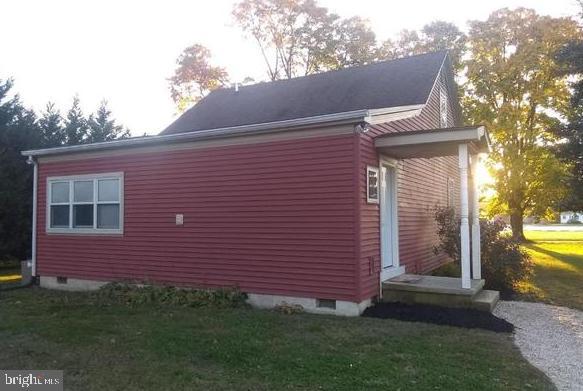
558 258
109 346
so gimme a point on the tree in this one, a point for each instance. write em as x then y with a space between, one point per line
354 43
435 36
440 35
570 150
18 131
51 126
512 87
195 77
103 128
294 36
76 127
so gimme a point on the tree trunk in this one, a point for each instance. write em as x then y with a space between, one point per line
517 225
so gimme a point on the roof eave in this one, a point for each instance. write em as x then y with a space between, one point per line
357 116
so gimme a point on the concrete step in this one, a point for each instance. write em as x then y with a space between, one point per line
485 300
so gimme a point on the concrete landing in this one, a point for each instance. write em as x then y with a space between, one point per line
486 300
441 291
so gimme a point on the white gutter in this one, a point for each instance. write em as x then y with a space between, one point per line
253 129
32 161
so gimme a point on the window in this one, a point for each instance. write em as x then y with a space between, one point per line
372 185
442 107
85 204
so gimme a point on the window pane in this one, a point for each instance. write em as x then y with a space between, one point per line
83 191
108 190
60 216
83 216
108 216
60 192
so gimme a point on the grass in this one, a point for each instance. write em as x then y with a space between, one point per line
154 347
558 259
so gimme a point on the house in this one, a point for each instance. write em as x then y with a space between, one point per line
309 191
571 217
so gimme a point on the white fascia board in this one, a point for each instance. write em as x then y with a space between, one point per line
437 136
378 116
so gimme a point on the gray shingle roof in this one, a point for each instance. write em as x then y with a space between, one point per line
401 82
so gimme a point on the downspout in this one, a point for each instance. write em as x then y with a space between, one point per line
32 161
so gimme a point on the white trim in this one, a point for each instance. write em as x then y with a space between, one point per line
369 199
464 212
476 237
395 269
436 136
356 116
392 272
86 177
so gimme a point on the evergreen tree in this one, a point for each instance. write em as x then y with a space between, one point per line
18 131
51 126
103 128
76 127
571 151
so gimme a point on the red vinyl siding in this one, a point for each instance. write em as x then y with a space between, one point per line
275 218
422 184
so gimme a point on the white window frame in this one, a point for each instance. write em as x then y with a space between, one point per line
89 177
370 200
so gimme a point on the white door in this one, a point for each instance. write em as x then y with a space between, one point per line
389 224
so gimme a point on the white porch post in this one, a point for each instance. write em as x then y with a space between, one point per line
464 227
476 245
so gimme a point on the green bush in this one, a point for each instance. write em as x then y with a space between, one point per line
132 294
504 262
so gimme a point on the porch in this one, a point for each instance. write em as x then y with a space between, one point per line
466 143
442 291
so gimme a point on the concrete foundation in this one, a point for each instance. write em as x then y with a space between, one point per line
71 284
343 308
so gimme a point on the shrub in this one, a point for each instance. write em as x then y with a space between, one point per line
132 294
504 262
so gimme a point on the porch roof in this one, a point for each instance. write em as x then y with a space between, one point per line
429 143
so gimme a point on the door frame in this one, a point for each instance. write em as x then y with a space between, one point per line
396 269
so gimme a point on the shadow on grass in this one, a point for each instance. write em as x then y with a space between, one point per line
558 273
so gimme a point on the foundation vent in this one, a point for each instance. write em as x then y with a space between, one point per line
326 303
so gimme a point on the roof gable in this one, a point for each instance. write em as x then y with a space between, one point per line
402 82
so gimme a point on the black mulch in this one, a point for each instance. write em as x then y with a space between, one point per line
458 317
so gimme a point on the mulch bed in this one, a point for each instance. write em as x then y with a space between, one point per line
458 317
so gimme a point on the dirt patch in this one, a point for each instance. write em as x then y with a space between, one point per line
458 317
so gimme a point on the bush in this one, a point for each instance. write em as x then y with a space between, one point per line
504 262
131 294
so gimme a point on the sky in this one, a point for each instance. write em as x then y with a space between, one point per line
124 51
